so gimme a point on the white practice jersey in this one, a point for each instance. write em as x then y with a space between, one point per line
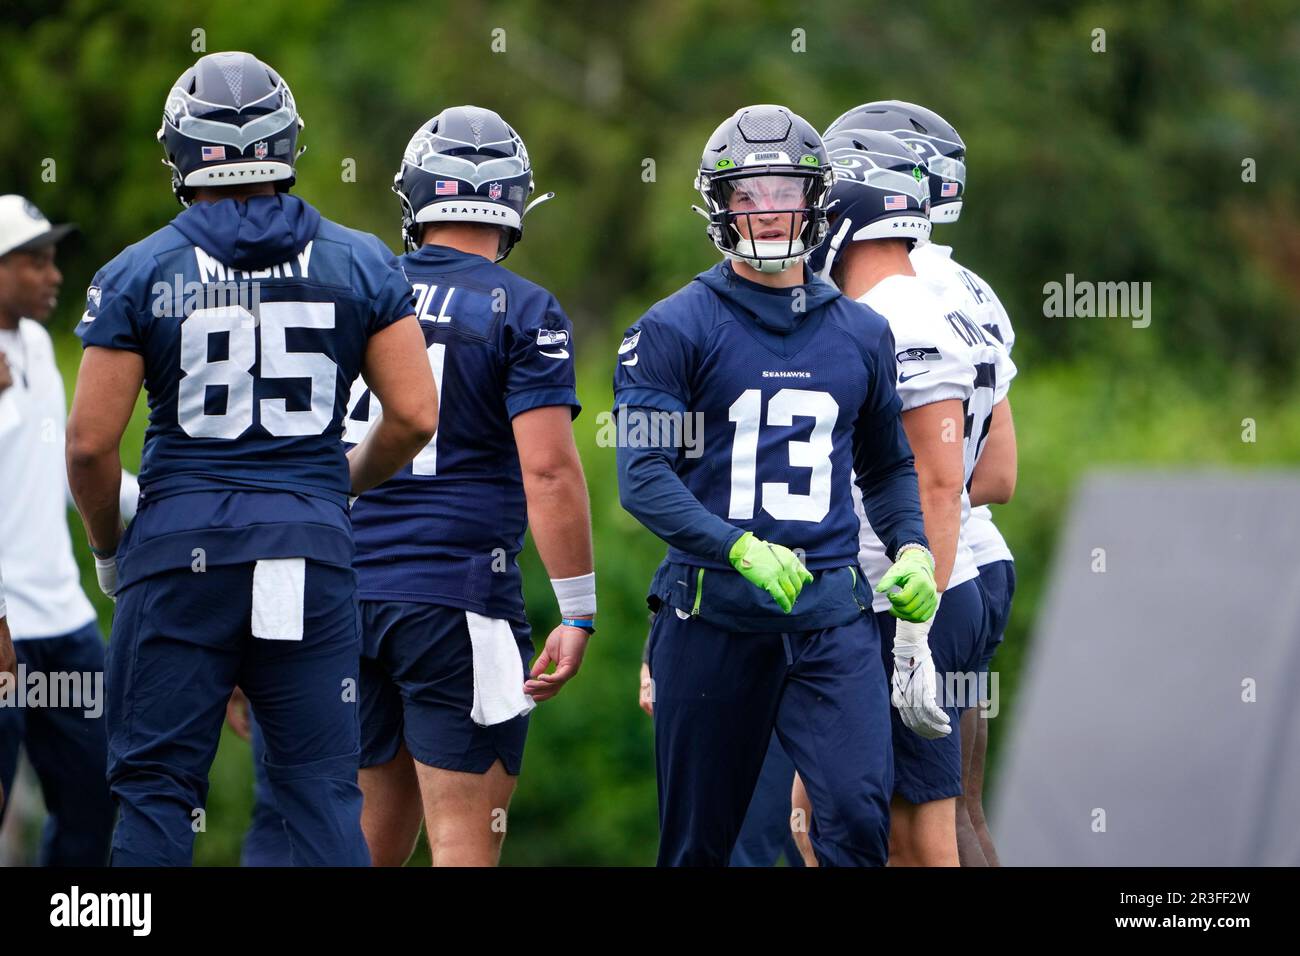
42 584
942 354
935 263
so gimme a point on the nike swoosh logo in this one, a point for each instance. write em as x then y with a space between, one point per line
87 317
632 361
908 378
561 354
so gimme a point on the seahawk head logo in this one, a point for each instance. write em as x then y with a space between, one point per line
919 355
555 339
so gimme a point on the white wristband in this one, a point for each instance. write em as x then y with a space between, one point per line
576 596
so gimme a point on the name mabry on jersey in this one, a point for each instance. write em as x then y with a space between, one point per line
221 286
210 269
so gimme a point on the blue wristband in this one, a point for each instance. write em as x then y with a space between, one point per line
585 623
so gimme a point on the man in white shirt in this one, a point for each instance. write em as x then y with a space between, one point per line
53 625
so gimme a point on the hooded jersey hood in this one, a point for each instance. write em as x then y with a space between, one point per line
772 309
257 233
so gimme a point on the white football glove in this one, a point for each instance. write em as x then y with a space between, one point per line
106 572
915 686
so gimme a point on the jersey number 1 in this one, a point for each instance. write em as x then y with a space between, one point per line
355 429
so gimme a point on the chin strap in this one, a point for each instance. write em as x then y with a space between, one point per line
770 256
836 241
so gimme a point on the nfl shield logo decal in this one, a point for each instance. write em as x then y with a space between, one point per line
260 150
494 191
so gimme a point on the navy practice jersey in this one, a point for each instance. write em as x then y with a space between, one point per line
252 320
448 527
775 413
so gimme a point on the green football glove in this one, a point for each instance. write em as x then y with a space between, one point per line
771 567
917 597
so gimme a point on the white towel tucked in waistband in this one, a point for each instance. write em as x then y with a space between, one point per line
498 677
278 586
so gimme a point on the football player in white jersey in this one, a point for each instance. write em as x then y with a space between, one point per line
948 375
944 156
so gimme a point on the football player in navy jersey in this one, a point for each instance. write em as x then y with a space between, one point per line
763 619
246 318
446 687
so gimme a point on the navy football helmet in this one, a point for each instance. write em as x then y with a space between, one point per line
230 119
941 149
764 161
880 192
466 165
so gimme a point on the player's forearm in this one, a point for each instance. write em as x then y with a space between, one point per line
387 447
994 478
940 471
107 385
652 493
941 507
95 478
560 518
991 488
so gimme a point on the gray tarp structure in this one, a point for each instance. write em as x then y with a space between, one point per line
1132 698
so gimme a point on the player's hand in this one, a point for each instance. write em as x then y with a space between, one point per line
646 698
106 573
6 376
914 683
917 597
8 657
564 648
771 567
237 715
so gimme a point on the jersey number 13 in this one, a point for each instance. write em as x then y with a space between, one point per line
815 453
